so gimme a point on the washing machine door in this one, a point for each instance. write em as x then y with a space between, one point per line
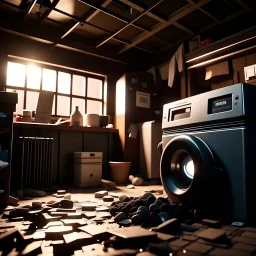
187 166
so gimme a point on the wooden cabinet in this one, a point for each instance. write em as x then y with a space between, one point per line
7 107
66 141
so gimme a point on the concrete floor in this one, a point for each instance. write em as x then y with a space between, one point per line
81 195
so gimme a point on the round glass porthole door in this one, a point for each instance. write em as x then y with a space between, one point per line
187 165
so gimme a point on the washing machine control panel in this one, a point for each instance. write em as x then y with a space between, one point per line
235 101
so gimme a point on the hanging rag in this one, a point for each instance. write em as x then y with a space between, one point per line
176 63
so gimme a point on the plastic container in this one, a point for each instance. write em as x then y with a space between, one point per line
76 118
92 120
120 171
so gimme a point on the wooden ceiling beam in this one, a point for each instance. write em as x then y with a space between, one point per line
173 18
157 17
31 6
145 11
49 10
86 18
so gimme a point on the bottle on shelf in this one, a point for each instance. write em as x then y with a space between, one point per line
76 118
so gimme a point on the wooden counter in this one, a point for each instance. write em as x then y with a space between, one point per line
62 127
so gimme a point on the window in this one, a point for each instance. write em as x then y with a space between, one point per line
71 88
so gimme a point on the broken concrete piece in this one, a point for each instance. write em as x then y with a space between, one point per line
61 192
67 196
132 232
45 217
9 238
211 234
102 209
57 232
88 207
122 197
33 248
120 216
76 236
66 204
68 210
109 183
19 212
90 215
108 199
13 201
137 181
73 222
93 229
100 194
131 177
37 205
169 226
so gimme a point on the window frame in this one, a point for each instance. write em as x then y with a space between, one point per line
56 93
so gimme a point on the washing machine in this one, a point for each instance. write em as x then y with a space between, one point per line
209 152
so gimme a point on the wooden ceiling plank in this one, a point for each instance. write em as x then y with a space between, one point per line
31 6
231 16
156 17
94 13
130 23
78 22
234 15
116 59
244 5
112 15
173 18
189 31
202 10
86 18
48 12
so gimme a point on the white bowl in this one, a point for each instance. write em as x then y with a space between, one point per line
92 120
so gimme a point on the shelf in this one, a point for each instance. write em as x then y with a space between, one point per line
235 45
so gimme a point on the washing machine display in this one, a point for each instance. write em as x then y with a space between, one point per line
208 152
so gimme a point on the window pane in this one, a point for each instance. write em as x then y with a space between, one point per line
34 77
80 103
31 100
19 105
16 74
53 106
49 80
63 106
64 81
94 89
94 107
78 87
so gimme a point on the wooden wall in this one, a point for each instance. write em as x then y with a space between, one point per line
196 77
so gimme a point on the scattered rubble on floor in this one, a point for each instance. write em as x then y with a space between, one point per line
122 225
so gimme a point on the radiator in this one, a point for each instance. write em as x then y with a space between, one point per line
32 159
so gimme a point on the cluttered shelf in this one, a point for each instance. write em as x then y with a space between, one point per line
62 127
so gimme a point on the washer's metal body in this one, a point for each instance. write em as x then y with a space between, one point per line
225 121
